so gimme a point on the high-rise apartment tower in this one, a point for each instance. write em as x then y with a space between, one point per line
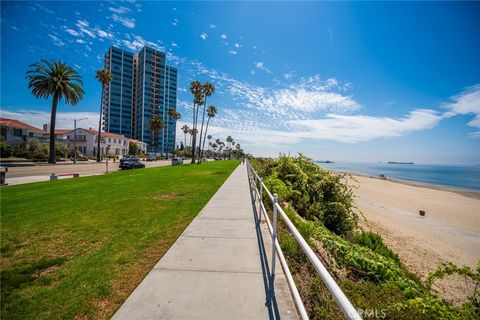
142 85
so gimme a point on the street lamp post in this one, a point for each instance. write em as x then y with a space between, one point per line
75 139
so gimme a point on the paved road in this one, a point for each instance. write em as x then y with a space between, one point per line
216 269
22 175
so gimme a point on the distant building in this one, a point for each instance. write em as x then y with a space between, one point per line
142 85
16 132
110 143
59 133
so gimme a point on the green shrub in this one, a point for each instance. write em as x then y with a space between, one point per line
6 150
315 193
61 150
132 148
20 152
36 150
375 242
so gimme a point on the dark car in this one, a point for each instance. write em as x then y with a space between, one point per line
152 158
176 161
131 164
128 158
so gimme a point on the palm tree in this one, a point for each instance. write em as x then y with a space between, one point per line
104 77
175 115
155 124
208 90
185 130
58 80
211 112
196 89
229 140
193 133
209 137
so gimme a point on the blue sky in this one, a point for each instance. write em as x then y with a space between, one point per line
342 81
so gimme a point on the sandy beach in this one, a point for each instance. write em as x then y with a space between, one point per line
450 231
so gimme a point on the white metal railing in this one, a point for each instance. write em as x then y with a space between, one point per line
258 187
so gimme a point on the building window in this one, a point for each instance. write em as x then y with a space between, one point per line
109 140
17 132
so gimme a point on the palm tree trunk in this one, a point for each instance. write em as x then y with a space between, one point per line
204 138
99 137
194 136
153 143
53 118
200 152
163 138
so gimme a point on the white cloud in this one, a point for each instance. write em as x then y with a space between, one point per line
288 75
72 32
82 23
56 40
356 128
64 119
119 10
129 23
346 129
204 36
137 42
252 72
104 34
223 36
211 26
174 45
84 28
80 41
308 96
237 45
467 102
232 52
261 66
475 135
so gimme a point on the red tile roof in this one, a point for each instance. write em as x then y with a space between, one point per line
136 141
58 132
19 124
107 135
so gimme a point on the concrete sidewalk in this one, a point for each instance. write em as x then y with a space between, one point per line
216 269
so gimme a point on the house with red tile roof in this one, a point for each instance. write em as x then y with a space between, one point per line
110 143
16 132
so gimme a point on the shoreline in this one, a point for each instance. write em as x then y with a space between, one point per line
470 193
449 231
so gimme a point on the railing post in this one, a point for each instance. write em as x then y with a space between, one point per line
274 235
261 199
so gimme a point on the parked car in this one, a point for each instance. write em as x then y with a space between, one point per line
152 158
176 161
128 158
131 164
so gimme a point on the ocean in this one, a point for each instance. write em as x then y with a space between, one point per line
453 176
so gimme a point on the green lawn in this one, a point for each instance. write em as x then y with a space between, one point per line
76 248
